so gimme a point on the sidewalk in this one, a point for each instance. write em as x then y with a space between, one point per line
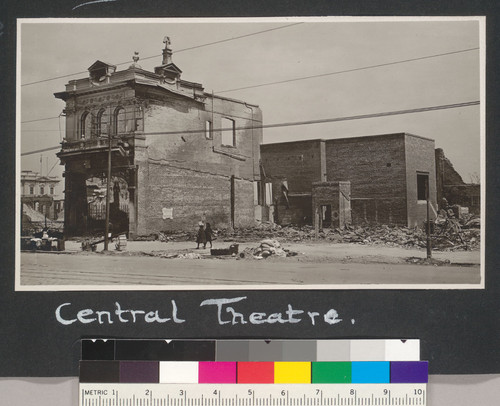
308 252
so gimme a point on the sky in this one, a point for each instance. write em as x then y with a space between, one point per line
288 49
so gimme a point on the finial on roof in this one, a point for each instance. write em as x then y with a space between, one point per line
135 58
167 52
167 42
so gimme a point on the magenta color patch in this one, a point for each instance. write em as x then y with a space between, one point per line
217 372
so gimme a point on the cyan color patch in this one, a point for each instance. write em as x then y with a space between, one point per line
371 372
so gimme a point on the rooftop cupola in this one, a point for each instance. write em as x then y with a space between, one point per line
168 69
99 71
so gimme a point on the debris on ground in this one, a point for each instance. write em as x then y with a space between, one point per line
189 255
449 234
266 249
427 261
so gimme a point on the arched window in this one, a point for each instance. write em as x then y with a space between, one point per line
84 123
102 125
119 122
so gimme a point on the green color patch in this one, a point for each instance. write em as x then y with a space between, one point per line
331 372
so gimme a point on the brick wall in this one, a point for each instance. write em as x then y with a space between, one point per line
191 173
335 195
375 166
297 162
299 211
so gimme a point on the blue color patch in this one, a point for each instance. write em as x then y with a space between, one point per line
370 372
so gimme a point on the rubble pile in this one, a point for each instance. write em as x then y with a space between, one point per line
265 249
189 255
449 234
165 236
454 234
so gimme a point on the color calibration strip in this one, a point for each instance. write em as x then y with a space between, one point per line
224 372
251 350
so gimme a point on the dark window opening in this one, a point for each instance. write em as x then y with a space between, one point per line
257 193
422 185
119 121
326 215
84 120
101 127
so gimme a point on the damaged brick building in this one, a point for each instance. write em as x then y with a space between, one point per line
451 186
178 154
381 178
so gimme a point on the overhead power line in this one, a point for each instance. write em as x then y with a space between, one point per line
307 122
53 166
40 150
176 52
348 70
39 119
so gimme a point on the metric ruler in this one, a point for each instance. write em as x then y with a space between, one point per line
161 394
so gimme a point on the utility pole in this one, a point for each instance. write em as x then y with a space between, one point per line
429 242
108 187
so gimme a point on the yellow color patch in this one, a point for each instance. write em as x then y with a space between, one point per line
292 372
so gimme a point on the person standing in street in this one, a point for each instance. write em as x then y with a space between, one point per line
201 237
208 234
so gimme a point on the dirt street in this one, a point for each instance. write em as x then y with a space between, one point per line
314 265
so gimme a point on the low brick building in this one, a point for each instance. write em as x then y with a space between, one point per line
183 154
387 174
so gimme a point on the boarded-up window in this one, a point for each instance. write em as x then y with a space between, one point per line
422 184
208 130
228 132
269 193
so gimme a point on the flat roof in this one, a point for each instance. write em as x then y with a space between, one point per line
350 138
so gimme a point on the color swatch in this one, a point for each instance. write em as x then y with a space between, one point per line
280 372
251 350
252 361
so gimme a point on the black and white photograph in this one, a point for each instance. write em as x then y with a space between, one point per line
250 153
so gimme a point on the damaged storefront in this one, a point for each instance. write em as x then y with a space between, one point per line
175 154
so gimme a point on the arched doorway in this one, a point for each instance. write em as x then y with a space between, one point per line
118 208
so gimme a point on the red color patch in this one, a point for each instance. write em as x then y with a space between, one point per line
255 372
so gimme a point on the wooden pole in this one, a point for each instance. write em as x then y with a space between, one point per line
108 186
429 242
